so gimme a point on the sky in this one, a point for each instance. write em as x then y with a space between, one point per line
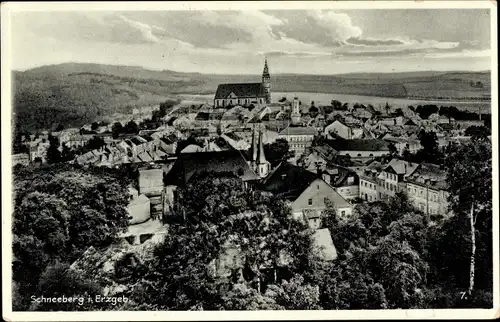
236 42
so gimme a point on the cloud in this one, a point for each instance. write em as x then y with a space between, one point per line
339 25
235 37
373 41
130 31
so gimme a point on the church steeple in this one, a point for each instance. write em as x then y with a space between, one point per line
265 73
266 82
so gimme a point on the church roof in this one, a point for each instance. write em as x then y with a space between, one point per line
240 90
189 164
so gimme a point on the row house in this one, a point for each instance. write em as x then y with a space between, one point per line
380 182
428 190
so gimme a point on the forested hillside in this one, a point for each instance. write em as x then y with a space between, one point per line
74 94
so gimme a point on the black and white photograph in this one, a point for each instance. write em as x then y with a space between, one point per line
246 160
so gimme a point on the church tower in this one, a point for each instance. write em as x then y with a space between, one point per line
295 111
266 82
259 163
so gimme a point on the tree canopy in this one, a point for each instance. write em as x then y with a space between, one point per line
59 211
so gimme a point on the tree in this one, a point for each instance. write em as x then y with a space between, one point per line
131 128
94 143
327 109
392 149
67 154
116 129
227 235
59 211
478 131
429 152
399 112
469 177
59 128
53 153
337 105
313 110
277 151
424 111
94 126
294 295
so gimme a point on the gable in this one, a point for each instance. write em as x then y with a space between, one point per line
318 190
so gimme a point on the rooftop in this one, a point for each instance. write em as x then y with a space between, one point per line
298 130
240 90
358 145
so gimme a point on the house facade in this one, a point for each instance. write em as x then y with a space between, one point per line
299 138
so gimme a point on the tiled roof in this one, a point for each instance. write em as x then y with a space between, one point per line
359 145
426 172
240 90
298 130
145 157
189 164
403 167
288 181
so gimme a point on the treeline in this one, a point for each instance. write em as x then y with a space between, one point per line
424 111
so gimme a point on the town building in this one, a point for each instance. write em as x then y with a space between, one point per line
299 138
360 148
229 95
347 131
380 182
427 189
306 193
188 164
20 158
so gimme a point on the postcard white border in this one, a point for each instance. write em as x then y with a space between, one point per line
7 8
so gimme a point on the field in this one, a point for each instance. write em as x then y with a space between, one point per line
75 94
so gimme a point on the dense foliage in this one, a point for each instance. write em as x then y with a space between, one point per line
59 211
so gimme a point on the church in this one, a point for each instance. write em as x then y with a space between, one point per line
245 93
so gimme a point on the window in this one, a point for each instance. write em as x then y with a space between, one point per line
310 202
343 213
371 198
359 154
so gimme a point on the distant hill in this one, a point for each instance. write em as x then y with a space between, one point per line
73 94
